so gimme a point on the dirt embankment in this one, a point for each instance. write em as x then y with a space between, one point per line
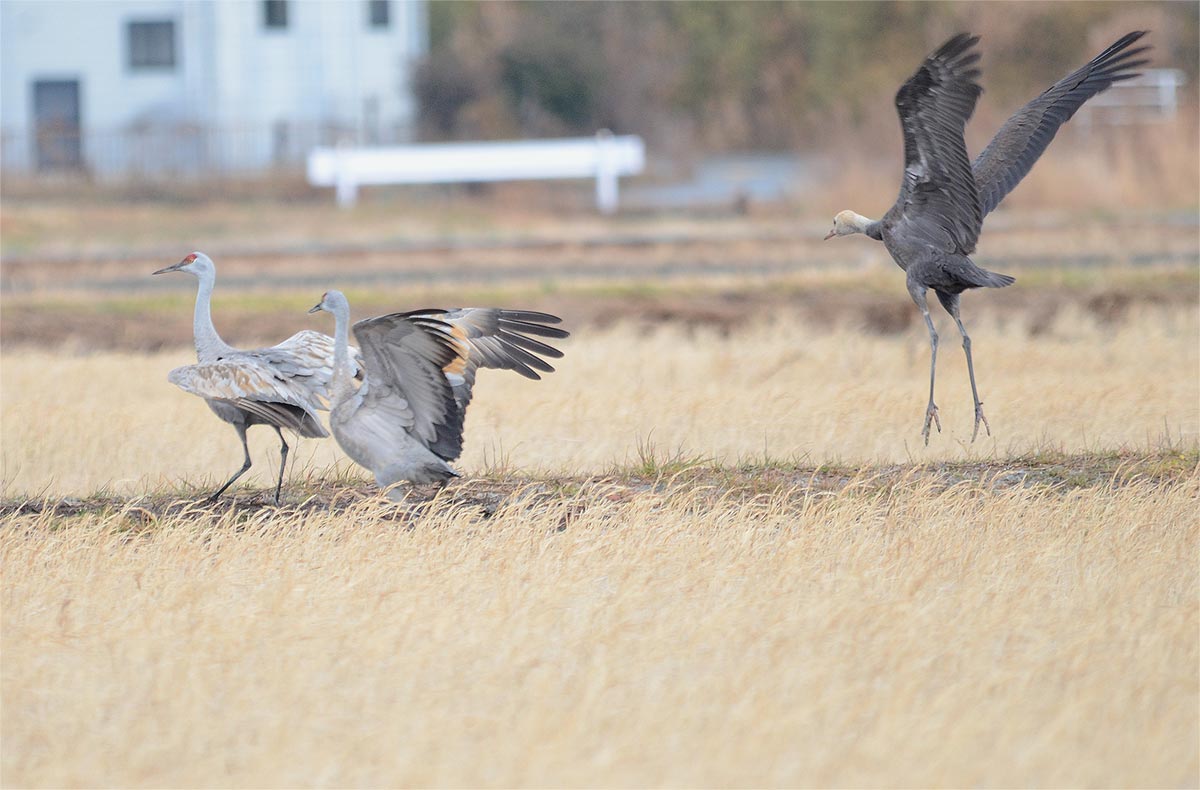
719 276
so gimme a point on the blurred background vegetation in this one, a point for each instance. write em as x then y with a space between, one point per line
695 77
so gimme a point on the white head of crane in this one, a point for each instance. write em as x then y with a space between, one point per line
847 223
196 264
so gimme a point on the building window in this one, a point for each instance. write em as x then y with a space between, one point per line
379 13
152 45
275 13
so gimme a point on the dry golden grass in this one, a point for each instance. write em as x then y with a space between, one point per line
783 390
904 632
914 635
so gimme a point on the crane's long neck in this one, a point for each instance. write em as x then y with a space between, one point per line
209 344
343 372
871 227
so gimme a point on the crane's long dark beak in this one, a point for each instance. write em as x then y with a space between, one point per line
830 235
172 268
316 308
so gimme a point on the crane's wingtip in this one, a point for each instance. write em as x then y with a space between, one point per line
1124 42
956 45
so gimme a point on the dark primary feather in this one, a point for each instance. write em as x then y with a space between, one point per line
938 203
496 338
1024 136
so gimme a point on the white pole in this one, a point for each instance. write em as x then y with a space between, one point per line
343 176
1166 93
606 173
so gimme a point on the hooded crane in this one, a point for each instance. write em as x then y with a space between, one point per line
281 386
405 422
936 220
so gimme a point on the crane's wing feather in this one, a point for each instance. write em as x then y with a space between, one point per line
250 384
307 355
489 337
405 355
1024 136
938 202
317 348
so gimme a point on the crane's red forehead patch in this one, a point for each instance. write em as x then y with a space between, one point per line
191 257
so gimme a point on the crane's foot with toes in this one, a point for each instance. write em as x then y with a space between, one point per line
931 417
979 418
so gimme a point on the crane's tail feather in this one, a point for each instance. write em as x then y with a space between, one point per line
995 280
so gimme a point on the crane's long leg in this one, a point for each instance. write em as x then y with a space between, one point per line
950 302
931 411
241 430
971 372
283 452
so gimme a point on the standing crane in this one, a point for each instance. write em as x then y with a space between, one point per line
281 386
932 228
405 422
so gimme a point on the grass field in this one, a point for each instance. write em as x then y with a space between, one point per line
691 556
710 550
715 629
777 389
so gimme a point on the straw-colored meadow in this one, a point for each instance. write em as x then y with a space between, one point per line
780 390
647 582
912 636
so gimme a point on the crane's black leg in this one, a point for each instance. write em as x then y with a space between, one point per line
950 302
241 430
283 451
931 411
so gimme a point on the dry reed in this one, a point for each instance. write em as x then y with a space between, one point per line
915 635
675 634
780 390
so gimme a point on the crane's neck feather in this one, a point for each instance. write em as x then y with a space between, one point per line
861 224
209 344
340 387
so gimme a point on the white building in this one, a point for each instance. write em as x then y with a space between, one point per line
160 87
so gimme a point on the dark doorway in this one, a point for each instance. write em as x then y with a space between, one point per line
57 124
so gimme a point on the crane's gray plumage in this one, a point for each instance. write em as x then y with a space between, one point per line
405 421
938 204
282 386
405 355
1024 136
249 382
935 222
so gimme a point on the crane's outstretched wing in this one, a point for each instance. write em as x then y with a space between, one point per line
1024 136
251 384
938 203
488 337
404 385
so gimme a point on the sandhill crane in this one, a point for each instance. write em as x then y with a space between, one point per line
405 422
935 222
281 386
